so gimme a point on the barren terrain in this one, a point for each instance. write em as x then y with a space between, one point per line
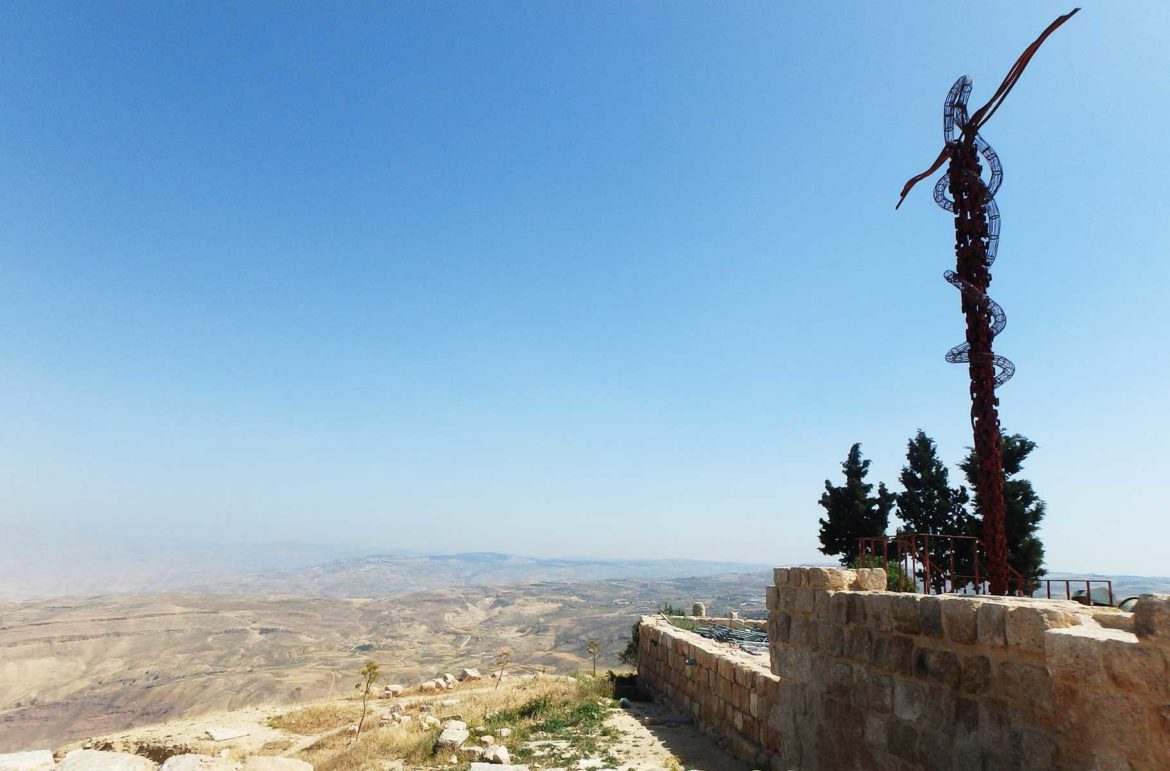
82 667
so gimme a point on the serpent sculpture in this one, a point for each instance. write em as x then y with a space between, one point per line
955 114
963 192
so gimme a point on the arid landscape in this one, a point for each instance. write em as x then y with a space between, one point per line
77 667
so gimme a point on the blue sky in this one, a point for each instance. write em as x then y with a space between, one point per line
604 279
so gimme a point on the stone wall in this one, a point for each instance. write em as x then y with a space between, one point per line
867 679
729 693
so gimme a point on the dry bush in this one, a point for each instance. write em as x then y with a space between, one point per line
318 718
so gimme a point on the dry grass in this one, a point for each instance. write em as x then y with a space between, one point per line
318 718
548 704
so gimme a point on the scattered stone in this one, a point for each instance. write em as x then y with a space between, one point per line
37 760
429 685
392 691
224 734
404 720
393 765
454 723
430 721
504 733
498 754
453 736
487 740
449 702
470 674
97 760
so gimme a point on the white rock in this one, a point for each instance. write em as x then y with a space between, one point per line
37 760
449 702
96 760
429 685
455 724
197 763
487 740
404 719
470 674
268 763
452 738
394 689
430 721
504 733
498 754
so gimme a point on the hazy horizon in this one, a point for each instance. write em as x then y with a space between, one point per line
558 279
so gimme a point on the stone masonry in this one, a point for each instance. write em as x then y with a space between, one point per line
862 678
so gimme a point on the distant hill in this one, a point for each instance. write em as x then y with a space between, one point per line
383 575
34 565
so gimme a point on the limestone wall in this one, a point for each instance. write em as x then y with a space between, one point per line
873 680
729 693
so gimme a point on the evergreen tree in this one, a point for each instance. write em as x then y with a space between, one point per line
928 504
852 511
1023 509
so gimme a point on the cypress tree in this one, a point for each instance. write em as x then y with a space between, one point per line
1023 509
928 504
852 512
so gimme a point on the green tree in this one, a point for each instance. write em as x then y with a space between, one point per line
1023 509
928 504
369 674
852 512
630 654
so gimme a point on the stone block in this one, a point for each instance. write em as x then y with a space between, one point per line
830 639
1137 667
1026 684
830 578
96 760
857 614
894 653
879 610
990 624
821 601
797 576
872 690
941 706
909 699
875 730
938 666
1025 625
1074 654
788 599
771 598
871 580
904 613
1151 617
839 608
802 632
36 760
930 616
902 740
859 644
975 673
958 616
805 601
779 577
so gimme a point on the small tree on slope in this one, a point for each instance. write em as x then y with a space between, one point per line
851 511
1023 509
928 504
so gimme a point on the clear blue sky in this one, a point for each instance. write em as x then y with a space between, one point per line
604 279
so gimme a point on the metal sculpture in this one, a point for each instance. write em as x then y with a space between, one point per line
972 200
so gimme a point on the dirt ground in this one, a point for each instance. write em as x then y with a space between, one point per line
655 737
